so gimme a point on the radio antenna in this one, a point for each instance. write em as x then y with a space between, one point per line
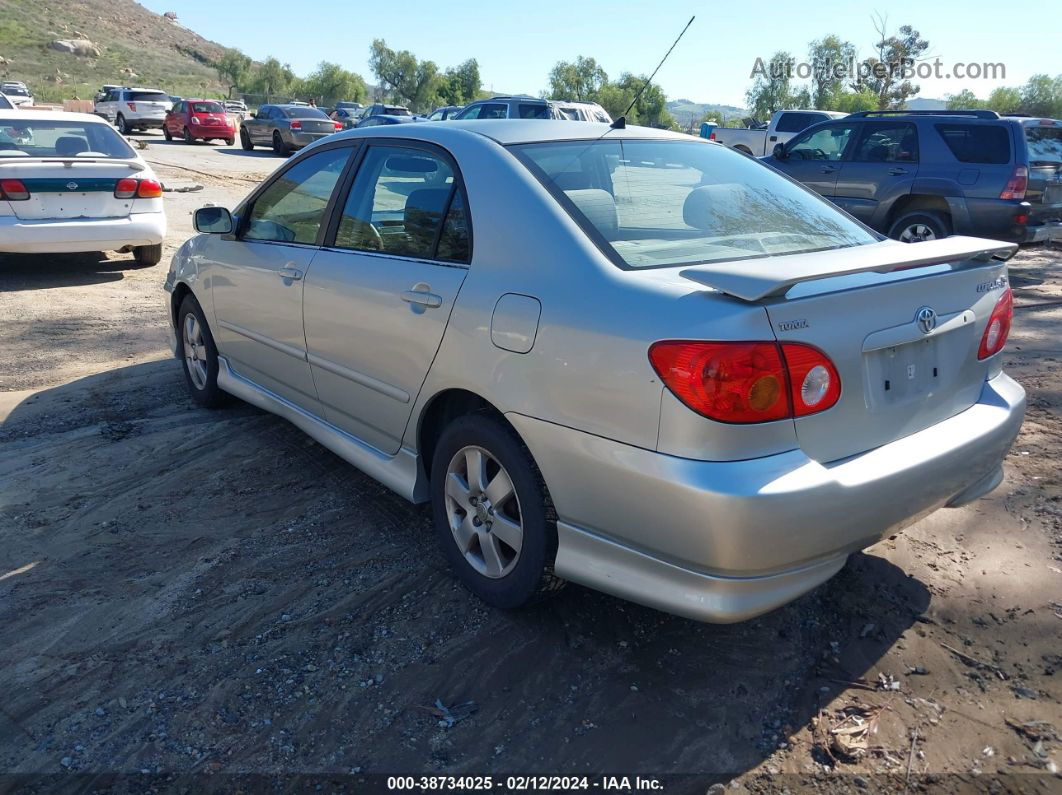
621 122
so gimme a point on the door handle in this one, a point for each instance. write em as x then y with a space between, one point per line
289 272
422 298
895 172
774 137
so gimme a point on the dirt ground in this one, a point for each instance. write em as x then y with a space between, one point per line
185 592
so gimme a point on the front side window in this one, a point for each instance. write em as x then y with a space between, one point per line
399 204
887 143
292 208
827 143
29 137
977 143
707 204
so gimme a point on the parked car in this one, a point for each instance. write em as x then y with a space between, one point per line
588 367
345 105
286 128
580 111
69 182
18 93
506 107
199 119
5 103
236 108
132 109
104 90
376 121
919 176
761 140
348 117
1043 144
444 113
382 109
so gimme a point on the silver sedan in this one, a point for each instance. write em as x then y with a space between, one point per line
626 358
285 128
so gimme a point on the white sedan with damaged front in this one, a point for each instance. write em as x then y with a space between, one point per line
70 183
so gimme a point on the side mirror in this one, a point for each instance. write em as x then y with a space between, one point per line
213 221
779 152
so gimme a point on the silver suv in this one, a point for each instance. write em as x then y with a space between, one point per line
516 107
134 108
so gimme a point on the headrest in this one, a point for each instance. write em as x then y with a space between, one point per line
598 206
69 146
708 206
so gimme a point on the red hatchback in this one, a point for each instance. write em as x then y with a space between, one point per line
199 118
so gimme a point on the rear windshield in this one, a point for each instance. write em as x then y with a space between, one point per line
395 110
533 111
657 203
304 113
147 96
51 138
207 107
1045 144
977 143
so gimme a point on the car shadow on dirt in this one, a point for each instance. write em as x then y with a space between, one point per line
262 151
186 590
41 271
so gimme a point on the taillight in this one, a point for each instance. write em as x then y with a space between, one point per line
747 382
339 125
132 105
1017 184
195 120
130 188
296 125
149 189
125 188
13 190
711 137
998 328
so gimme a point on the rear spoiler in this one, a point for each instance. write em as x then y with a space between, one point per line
756 279
69 161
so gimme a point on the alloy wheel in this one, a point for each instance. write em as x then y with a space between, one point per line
483 512
195 352
917 233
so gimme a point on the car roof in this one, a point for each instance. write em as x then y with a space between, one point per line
59 115
521 131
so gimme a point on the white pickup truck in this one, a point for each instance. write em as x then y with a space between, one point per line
760 141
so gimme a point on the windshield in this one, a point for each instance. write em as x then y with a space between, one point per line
207 107
657 203
52 138
396 110
1045 144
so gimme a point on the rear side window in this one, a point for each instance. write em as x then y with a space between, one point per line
795 122
887 143
533 111
977 143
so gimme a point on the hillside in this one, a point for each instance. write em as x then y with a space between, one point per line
159 52
687 112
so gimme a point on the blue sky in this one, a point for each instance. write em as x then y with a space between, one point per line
516 44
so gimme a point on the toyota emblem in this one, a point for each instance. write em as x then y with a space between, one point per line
926 319
71 186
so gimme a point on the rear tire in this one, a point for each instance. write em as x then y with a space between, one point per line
245 140
123 125
497 525
279 146
920 225
148 255
188 139
199 355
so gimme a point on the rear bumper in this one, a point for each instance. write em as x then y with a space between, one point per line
299 140
74 235
221 133
725 541
1043 233
147 121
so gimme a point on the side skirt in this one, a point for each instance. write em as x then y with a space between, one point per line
401 472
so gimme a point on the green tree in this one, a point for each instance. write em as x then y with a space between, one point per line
650 109
330 83
1004 100
1042 96
830 58
404 78
964 100
883 74
234 68
854 101
461 84
773 87
273 78
579 81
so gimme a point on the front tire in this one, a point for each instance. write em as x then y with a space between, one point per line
918 226
148 255
493 514
230 142
166 134
199 355
245 140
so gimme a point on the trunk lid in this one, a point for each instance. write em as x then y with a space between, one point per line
316 125
73 188
856 306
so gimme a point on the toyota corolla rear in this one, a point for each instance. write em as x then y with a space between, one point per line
70 183
817 386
